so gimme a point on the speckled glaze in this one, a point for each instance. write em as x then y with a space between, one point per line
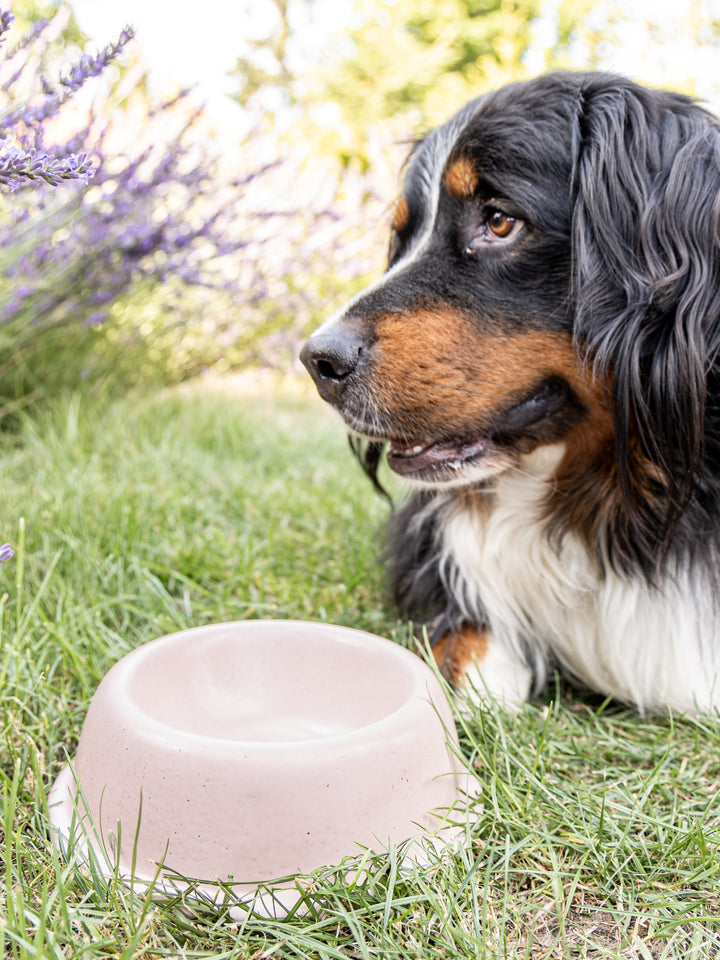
256 750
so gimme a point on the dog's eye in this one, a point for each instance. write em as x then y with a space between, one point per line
496 227
500 224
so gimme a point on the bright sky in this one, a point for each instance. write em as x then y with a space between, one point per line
197 43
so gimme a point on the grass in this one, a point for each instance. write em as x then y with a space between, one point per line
597 830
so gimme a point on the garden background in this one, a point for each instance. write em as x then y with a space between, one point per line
164 463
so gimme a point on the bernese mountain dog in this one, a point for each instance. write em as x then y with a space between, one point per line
541 365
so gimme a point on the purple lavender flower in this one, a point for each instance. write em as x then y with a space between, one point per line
33 115
6 21
18 166
27 40
156 213
87 66
6 552
22 162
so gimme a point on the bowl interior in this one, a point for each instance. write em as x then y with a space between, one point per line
280 682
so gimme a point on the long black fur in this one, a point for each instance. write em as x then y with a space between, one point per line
646 238
644 300
612 279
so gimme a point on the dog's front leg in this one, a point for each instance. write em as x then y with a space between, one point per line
475 662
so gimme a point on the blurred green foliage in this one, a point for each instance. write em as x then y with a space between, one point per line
402 66
334 127
176 256
410 62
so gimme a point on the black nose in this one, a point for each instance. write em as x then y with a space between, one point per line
331 357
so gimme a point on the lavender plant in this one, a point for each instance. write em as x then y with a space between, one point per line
29 102
22 161
162 257
18 166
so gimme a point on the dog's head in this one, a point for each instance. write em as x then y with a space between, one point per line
554 275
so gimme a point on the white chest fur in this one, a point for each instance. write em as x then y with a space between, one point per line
652 647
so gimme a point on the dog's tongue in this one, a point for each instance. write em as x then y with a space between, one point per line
406 460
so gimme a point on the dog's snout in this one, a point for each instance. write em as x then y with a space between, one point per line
330 358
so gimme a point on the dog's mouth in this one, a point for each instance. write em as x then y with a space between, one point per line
420 458
452 459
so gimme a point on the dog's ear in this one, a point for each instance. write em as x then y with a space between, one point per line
646 245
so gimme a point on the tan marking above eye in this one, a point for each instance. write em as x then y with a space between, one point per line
461 179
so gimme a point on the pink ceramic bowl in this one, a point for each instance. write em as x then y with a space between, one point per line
254 750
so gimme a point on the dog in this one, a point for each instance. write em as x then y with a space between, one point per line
541 364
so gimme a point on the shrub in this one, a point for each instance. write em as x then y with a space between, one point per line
71 260
166 254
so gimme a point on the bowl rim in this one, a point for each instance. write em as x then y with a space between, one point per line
417 670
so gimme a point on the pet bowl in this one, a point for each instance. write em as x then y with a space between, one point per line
244 752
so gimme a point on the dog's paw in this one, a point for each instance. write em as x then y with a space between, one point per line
480 668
